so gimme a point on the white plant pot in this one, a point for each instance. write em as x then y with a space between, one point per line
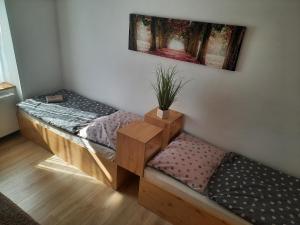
162 114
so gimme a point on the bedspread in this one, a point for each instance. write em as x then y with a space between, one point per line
70 115
257 193
65 118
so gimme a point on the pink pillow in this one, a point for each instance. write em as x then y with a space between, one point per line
189 160
103 130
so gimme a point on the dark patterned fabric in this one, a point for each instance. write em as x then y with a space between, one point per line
257 193
65 118
76 101
70 115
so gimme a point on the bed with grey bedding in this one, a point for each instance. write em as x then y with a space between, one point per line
70 115
255 192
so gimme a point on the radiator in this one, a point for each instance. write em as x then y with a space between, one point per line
8 118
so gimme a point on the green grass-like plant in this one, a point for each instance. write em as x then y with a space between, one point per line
167 86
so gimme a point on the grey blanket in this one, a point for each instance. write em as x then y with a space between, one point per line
76 101
66 118
257 193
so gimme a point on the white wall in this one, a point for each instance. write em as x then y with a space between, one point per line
33 25
254 111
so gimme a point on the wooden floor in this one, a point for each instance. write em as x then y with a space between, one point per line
53 192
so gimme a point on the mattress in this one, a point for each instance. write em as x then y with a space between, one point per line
76 101
70 115
89 145
255 192
175 187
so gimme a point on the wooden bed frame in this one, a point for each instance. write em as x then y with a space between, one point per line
92 163
175 209
163 203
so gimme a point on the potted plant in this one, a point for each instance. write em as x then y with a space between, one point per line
166 88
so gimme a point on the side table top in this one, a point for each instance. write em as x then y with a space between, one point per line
140 131
173 115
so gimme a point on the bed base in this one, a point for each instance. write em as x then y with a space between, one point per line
175 209
92 163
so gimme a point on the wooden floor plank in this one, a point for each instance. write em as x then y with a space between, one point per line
55 193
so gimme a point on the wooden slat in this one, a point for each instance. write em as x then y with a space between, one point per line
173 208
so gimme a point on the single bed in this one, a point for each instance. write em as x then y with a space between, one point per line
180 204
255 192
74 112
95 160
187 183
175 179
56 131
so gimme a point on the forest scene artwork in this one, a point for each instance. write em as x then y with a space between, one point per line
216 45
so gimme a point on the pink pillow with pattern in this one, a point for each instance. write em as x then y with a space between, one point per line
189 160
103 130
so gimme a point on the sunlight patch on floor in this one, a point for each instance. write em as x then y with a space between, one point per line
57 165
91 149
115 199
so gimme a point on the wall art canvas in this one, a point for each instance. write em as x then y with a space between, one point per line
216 45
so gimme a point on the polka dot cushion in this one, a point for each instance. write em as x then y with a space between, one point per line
189 160
104 129
257 193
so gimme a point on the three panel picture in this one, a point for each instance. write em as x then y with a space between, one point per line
216 45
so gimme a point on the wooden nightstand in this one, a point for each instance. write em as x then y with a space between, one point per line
171 126
136 144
